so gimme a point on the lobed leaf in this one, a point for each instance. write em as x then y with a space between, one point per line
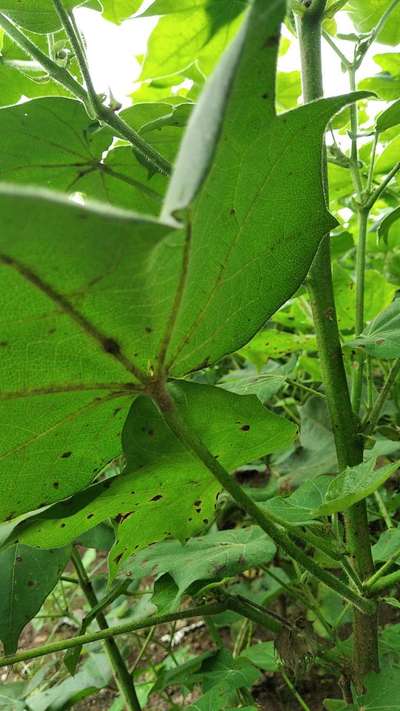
165 491
354 484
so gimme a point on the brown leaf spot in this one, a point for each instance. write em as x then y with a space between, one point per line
157 497
66 455
245 428
111 346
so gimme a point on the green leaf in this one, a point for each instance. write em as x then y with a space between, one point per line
28 576
387 545
69 282
385 86
365 15
299 508
94 675
389 156
223 670
49 142
389 118
262 655
278 161
119 10
264 383
378 294
381 338
38 15
212 557
316 454
354 484
235 429
383 691
183 36
274 344
79 280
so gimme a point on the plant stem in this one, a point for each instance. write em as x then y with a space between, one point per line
348 444
295 693
373 417
79 640
190 440
104 113
122 676
359 361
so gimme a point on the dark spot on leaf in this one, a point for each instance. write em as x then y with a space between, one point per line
66 455
232 211
118 558
56 484
90 515
117 410
190 519
19 559
122 517
245 428
274 40
198 510
197 503
157 497
111 346
31 583
3 344
265 96
148 329
62 525
205 520
51 331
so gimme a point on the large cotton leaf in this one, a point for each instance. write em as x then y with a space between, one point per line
93 299
165 490
69 288
28 576
262 167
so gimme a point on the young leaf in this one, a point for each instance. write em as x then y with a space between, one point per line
354 484
386 224
28 576
381 338
165 491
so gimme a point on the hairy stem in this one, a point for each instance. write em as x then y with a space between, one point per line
104 113
348 445
122 676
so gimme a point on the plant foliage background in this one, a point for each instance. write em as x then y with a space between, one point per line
157 254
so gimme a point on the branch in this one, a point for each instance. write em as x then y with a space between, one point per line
63 644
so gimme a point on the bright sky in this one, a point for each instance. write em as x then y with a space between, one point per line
112 50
